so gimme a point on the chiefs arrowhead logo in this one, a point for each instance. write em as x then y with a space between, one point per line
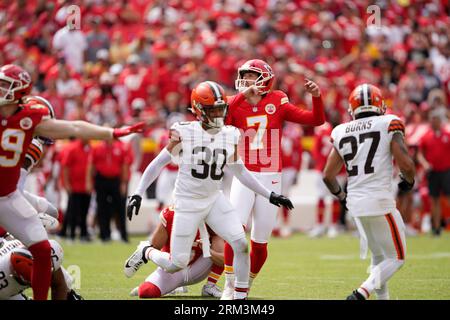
270 108
26 123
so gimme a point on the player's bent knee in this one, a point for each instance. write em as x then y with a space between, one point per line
240 245
149 290
179 262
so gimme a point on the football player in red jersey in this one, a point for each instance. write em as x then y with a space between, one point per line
19 123
321 149
260 112
162 282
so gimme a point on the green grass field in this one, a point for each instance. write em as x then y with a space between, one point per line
296 268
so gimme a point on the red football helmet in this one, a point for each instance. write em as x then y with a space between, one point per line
209 104
366 98
15 83
265 78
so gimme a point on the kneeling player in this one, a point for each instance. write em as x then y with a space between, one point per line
161 282
16 263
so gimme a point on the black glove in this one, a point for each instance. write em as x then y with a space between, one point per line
278 199
405 185
342 197
134 204
343 203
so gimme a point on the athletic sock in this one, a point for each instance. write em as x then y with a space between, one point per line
320 211
335 212
42 269
215 273
258 256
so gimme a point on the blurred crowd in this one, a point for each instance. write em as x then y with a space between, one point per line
122 61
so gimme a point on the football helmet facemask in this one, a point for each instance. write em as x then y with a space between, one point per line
265 79
15 83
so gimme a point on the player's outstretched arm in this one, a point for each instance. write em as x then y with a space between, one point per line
316 117
150 174
404 162
247 179
331 170
62 129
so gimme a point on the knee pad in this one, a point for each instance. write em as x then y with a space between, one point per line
179 261
149 290
240 245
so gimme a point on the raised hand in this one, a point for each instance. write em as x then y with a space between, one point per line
312 88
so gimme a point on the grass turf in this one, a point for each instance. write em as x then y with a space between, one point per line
296 268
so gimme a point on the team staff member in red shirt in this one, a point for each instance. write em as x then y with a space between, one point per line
434 154
78 184
110 161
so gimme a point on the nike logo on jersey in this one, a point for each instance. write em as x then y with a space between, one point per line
274 182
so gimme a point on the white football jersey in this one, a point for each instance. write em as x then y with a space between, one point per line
8 285
202 159
365 147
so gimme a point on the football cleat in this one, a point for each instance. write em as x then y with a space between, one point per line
73 295
179 290
228 290
332 231
317 231
211 290
356 296
134 292
137 259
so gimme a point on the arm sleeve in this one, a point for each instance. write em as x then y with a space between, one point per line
152 171
247 179
295 114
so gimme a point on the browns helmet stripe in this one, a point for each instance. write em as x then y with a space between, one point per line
215 90
369 95
365 94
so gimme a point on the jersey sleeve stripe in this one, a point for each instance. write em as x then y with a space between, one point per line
33 155
35 149
284 100
396 126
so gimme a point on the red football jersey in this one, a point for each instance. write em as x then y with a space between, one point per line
166 218
322 145
16 133
291 147
261 127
